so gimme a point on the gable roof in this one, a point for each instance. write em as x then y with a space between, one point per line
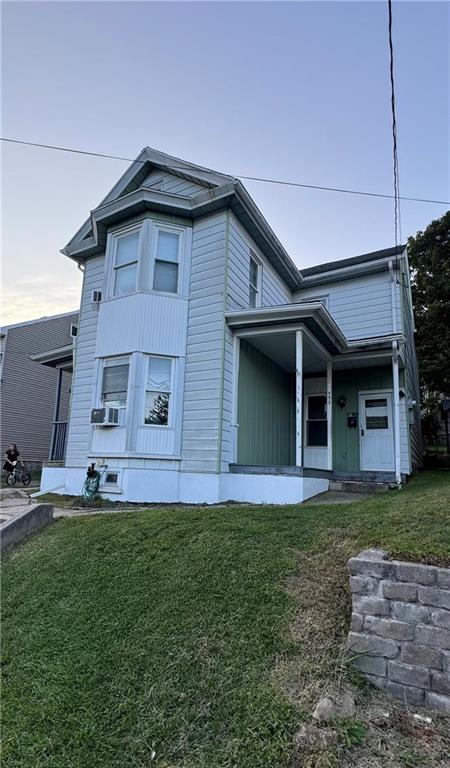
331 266
213 191
5 328
148 160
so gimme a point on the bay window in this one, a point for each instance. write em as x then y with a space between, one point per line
158 392
146 257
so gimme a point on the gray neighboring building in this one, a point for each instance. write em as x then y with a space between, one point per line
35 397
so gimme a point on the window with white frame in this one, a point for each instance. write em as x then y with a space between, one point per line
316 421
125 266
158 392
115 383
111 478
165 271
254 298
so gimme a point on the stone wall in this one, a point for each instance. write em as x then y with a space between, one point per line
400 628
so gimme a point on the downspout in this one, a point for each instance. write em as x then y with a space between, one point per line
393 298
396 389
82 268
222 358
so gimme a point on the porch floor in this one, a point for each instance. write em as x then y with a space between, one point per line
357 477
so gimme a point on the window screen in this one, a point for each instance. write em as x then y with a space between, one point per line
165 276
115 385
125 263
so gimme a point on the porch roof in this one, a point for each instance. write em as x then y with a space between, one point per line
312 314
317 320
60 357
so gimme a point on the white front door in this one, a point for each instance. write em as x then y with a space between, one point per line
376 432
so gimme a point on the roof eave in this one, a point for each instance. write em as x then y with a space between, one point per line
289 313
232 194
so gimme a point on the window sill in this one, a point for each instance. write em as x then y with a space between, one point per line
110 489
134 455
149 291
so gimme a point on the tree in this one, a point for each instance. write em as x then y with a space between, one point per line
429 255
159 412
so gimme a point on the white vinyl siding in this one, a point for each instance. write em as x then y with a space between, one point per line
83 382
273 289
273 292
202 396
362 307
175 185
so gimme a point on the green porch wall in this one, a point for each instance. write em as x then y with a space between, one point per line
349 383
266 415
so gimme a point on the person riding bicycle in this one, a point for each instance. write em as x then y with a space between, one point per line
12 457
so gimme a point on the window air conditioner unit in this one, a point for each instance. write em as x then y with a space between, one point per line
105 417
96 297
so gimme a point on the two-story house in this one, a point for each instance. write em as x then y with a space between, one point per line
209 367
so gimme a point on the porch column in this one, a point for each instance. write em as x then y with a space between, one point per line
299 398
55 413
396 388
234 407
329 415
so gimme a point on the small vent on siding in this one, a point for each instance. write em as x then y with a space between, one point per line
157 184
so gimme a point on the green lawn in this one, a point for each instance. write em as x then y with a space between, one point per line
150 638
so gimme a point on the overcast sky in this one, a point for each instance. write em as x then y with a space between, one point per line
295 91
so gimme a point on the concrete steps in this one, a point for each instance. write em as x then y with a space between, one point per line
360 486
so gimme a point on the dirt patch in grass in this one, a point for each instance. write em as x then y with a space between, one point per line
383 733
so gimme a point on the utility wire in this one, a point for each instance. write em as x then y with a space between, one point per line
397 219
235 175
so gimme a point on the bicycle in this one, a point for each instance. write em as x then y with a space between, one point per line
19 473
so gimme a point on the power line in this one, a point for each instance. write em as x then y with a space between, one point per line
397 220
235 175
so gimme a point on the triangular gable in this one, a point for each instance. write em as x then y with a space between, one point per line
173 183
176 174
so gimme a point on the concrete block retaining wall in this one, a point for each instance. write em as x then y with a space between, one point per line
26 521
400 627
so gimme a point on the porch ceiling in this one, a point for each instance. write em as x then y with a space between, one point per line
62 357
280 348
272 331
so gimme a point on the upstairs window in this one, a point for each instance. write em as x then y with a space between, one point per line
158 391
316 422
165 273
126 259
254 284
115 384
